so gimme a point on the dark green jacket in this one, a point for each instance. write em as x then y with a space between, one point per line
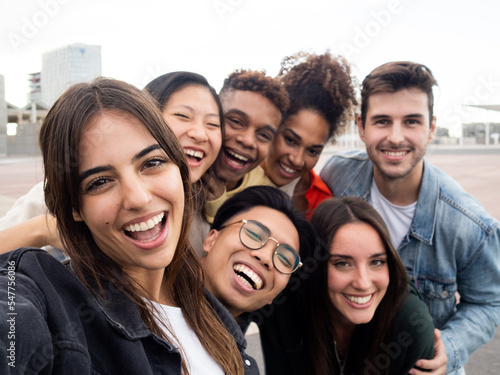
284 349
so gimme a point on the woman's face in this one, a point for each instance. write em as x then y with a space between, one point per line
193 115
358 274
297 147
132 197
245 280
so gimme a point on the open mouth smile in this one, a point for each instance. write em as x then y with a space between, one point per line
359 300
146 231
248 277
192 154
286 170
235 159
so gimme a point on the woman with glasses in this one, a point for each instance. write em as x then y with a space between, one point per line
355 312
253 248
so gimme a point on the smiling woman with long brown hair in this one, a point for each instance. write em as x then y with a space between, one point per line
131 300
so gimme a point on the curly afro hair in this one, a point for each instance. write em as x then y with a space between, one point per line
258 82
320 83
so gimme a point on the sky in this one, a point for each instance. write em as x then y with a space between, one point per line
458 40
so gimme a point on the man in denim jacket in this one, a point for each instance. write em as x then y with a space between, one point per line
447 240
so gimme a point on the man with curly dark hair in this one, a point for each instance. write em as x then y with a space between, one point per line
253 105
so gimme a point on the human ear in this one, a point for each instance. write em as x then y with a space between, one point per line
76 216
361 129
210 240
432 131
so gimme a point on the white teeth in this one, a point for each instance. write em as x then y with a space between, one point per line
237 156
193 153
145 225
359 300
258 283
395 153
286 168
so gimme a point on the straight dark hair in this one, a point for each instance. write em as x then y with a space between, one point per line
162 88
328 218
270 197
59 141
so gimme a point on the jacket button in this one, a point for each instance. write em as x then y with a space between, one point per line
247 362
444 294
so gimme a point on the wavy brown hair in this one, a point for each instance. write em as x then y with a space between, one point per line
59 140
328 218
395 76
322 84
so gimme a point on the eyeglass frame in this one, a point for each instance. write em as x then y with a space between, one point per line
299 264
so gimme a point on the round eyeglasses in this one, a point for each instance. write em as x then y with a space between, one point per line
255 235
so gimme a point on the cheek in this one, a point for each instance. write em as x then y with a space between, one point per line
215 142
263 151
382 280
310 162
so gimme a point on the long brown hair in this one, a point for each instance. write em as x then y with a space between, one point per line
59 141
328 218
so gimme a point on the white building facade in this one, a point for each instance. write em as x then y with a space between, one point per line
66 66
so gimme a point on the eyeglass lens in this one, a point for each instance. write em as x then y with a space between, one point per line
255 236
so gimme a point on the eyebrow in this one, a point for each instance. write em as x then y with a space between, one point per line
300 138
350 257
247 118
412 115
108 167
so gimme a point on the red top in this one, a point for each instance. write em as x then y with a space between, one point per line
317 193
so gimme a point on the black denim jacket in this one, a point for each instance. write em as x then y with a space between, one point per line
52 324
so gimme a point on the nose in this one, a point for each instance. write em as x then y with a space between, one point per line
297 158
265 254
395 135
198 131
246 138
135 194
362 279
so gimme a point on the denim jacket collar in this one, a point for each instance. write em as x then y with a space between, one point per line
423 223
424 220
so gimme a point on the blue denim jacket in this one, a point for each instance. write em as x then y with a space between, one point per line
453 245
52 324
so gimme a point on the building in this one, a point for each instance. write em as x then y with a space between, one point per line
35 93
66 66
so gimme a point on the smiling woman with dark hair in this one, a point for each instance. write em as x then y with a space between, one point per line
354 312
131 300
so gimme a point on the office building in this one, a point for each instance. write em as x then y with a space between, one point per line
66 66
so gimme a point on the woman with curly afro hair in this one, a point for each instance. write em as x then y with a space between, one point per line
322 98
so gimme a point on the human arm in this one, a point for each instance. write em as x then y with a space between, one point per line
36 232
28 206
478 314
436 365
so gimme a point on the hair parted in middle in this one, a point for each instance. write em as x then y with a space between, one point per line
259 83
59 140
331 215
320 83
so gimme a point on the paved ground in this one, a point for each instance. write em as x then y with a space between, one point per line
477 170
